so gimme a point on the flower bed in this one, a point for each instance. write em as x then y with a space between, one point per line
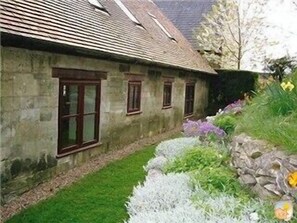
170 197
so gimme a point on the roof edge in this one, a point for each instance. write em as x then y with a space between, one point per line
13 40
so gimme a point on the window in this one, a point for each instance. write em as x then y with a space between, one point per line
127 12
162 27
98 6
189 99
167 94
134 96
79 102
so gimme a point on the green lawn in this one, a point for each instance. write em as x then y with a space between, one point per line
98 197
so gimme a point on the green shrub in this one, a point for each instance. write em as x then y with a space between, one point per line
228 87
226 122
279 101
220 179
197 159
272 116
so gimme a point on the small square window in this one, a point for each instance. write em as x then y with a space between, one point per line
134 96
167 94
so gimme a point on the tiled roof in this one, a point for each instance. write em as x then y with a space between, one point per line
76 23
185 14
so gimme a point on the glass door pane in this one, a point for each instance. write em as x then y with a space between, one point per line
90 99
68 132
89 128
69 99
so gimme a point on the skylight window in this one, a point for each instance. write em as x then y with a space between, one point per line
127 12
162 27
96 4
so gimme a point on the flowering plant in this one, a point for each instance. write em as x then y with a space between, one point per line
287 86
235 107
200 128
292 179
283 210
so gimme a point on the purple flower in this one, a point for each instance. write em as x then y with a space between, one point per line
199 128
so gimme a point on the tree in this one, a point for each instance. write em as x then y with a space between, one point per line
281 66
233 28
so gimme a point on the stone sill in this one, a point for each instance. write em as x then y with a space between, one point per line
134 113
78 150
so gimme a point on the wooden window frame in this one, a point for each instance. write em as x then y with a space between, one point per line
80 145
136 109
167 100
79 77
187 111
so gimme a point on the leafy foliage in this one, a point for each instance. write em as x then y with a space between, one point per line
280 66
221 179
197 159
228 87
226 122
161 193
175 147
210 170
273 116
279 101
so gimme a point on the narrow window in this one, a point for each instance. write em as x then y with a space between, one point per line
162 27
167 94
98 6
127 12
134 96
189 99
79 102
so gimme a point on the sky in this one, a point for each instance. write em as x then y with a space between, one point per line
281 17
284 17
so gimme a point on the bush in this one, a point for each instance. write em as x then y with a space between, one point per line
175 147
280 101
186 213
272 116
221 179
162 193
196 159
226 122
228 87
157 163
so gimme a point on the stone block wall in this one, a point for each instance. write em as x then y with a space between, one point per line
29 113
263 167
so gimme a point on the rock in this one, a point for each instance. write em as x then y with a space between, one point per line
273 188
264 180
262 192
263 167
247 179
262 172
293 161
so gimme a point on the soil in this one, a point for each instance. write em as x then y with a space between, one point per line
49 188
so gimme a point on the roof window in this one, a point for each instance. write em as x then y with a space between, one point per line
98 5
162 27
127 12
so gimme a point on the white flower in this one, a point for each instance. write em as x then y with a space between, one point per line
254 217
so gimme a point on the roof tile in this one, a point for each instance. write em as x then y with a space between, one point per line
77 23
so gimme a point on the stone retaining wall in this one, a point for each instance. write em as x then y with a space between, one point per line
263 167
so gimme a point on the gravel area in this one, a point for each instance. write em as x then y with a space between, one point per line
50 187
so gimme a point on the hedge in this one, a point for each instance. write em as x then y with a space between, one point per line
229 86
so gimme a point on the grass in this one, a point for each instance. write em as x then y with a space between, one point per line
98 197
273 117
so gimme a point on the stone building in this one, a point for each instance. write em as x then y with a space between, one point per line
80 78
